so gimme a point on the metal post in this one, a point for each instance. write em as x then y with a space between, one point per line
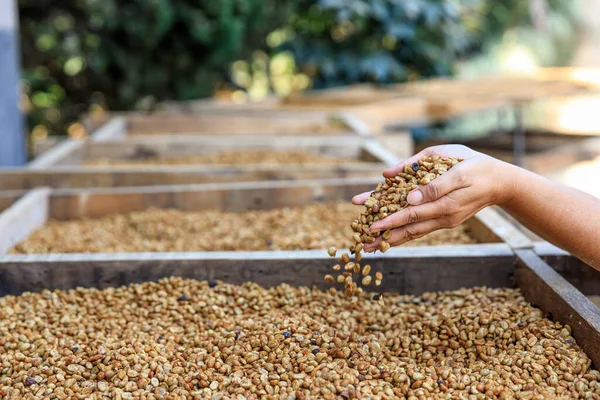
519 137
12 135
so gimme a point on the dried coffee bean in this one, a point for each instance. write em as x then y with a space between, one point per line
332 251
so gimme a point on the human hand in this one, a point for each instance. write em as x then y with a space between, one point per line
446 202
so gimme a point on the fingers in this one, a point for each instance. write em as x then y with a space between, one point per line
396 169
452 180
446 150
406 233
360 199
409 215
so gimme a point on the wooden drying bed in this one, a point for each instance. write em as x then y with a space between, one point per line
31 211
408 271
118 125
62 169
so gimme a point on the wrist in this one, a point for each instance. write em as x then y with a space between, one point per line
507 178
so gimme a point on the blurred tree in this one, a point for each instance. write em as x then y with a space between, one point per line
343 41
338 42
82 55
125 54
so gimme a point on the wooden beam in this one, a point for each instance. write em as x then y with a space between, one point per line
380 152
544 249
63 151
544 286
383 115
357 125
20 220
115 128
408 272
230 125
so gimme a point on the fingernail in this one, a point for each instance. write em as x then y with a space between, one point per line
415 197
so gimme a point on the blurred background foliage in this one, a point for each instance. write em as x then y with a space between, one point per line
85 56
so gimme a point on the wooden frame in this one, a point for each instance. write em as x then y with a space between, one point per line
304 123
366 157
62 204
120 124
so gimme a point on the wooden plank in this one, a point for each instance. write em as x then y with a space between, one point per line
115 128
350 95
343 147
57 154
22 218
270 107
544 286
380 152
440 109
231 125
382 116
306 103
355 123
546 249
406 272
400 143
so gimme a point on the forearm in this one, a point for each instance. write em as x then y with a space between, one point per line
561 215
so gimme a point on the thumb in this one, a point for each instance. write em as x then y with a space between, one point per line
437 188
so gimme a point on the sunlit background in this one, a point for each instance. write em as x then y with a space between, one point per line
84 59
